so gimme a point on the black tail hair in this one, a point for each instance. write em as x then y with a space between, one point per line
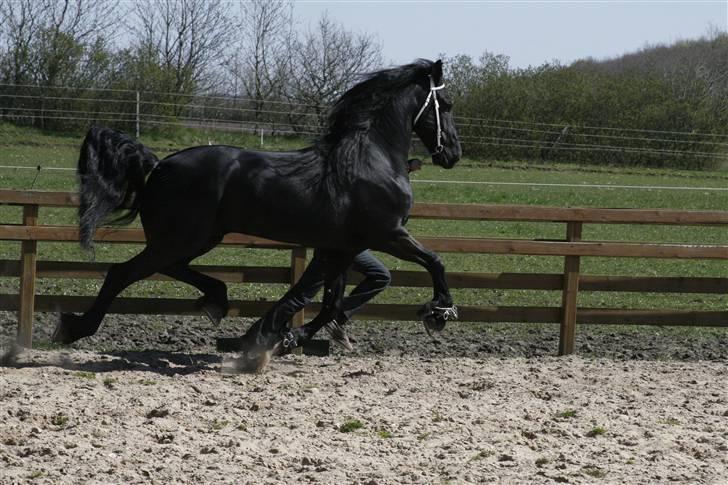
112 168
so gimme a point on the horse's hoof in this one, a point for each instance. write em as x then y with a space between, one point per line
251 362
290 340
69 328
231 344
212 310
434 321
338 335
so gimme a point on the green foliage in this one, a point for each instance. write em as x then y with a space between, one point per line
85 375
217 425
596 431
351 425
531 107
60 420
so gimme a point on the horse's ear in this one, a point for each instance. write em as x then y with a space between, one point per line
437 72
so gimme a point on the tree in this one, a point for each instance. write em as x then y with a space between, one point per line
19 25
326 61
53 44
179 43
70 42
260 62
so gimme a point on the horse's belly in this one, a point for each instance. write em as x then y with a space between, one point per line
290 218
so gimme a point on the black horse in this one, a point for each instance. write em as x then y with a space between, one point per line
348 192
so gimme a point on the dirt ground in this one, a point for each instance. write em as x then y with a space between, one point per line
396 415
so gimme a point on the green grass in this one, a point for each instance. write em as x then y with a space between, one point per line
568 413
351 426
85 375
669 421
596 431
60 420
25 147
217 425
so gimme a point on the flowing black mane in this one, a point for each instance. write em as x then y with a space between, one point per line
355 111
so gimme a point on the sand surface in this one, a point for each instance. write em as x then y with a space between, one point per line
75 416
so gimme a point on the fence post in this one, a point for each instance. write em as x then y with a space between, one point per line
28 254
137 115
298 266
570 293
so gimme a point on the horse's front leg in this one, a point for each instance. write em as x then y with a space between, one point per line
440 309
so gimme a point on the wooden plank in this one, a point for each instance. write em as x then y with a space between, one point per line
39 197
416 279
459 245
582 248
389 312
476 212
82 270
516 281
530 213
683 318
298 266
28 256
238 308
567 332
15 232
654 284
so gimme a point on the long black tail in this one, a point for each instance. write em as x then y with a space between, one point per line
112 169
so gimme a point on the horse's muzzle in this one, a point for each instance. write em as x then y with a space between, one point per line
443 160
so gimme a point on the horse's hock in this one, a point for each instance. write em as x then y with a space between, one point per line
572 248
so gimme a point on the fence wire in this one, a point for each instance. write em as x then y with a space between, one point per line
494 138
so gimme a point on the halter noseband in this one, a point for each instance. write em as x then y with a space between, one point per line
430 96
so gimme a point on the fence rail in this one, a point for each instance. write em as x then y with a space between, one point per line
572 248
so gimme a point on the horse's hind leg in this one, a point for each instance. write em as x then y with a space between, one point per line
264 337
214 302
273 326
73 327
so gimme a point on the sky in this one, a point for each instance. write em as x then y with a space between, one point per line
529 32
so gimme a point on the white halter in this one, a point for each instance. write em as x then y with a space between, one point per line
433 95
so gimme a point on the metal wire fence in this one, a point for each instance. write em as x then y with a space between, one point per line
74 109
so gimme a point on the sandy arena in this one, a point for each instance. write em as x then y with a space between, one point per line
394 416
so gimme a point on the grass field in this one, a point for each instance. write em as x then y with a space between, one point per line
26 148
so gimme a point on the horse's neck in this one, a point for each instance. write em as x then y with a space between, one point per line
382 148
392 135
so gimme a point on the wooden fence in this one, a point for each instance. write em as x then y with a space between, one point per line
572 248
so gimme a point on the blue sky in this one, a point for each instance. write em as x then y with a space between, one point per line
529 32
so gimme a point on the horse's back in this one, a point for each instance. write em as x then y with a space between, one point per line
220 189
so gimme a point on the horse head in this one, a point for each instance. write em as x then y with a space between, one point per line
434 123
